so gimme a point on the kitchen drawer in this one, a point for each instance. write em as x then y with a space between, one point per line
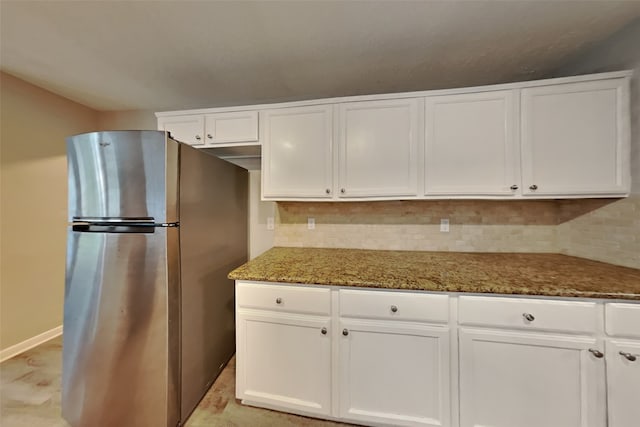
294 298
408 306
561 316
622 320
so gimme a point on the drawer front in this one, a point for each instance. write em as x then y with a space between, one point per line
563 316
622 320
294 298
394 306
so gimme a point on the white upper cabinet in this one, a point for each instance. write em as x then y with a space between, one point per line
188 128
378 149
297 154
470 145
237 126
558 138
212 129
575 139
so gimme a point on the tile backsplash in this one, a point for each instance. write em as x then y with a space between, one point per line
602 229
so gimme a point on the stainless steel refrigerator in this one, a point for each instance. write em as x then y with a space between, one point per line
155 226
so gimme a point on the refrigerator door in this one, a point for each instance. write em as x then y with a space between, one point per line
121 320
123 174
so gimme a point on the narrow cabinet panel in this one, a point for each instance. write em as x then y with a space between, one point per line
524 379
297 152
623 382
470 145
378 148
575 138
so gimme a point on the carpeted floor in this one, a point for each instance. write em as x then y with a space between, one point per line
30 396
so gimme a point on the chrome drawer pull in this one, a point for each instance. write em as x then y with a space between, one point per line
345 332
529 317
324 331
394 309
596 353
278 300
630 357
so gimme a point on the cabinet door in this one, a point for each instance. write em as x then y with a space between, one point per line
378 149
236 126
623 382
187 129
296 152
512 379
470 147
575 138
394 373
284 360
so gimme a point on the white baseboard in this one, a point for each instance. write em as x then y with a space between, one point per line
25 345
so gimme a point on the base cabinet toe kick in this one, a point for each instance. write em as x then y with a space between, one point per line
383 357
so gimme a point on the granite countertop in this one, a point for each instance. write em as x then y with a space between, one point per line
499 273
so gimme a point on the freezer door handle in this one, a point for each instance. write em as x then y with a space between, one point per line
88 227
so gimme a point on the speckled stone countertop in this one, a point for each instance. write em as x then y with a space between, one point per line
498 273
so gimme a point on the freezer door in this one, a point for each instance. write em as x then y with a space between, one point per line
121 320
123 174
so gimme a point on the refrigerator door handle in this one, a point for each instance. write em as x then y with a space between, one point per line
88 227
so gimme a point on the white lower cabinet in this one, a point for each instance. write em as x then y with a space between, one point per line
396 374
526 379
284 360
283 347
396 358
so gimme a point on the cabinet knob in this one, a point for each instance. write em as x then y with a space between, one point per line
342 190
278 300
198 138
533 187
528 317
596 353
345 332
209 136
514 187
324 331
328 191
394 309
630 357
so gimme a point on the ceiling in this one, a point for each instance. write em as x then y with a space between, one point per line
170 55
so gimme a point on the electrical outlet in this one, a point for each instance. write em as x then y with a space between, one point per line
444 225
311 223
270 223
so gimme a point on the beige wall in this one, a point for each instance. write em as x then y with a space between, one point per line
127 120
33 205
